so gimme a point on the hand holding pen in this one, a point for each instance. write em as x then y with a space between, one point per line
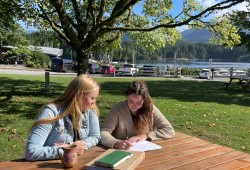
125 144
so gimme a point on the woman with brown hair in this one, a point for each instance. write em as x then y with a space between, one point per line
135 119
72 118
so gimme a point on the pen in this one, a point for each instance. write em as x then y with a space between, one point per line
126 134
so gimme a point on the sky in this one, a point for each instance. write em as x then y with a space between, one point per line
177 10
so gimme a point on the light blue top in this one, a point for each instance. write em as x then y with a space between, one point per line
40 144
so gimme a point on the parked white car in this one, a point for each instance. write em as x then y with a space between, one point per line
149 70
239 73
222 73
205 73
127 70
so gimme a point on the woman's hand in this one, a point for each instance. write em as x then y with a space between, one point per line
80 147
63 145
138 138
79 144
123 145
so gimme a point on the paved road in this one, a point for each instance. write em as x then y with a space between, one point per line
11 69
32 72
19 69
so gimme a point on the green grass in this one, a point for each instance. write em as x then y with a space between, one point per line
198 108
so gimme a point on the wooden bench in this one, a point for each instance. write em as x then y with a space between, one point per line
243 81
244 85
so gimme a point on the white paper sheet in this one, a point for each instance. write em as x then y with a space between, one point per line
144 146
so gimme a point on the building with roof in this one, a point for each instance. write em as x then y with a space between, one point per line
51 52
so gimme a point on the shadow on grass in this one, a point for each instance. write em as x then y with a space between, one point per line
17 96
188 91
25 97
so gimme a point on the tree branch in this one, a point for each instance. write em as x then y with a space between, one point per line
54 26
101 11
119 9
218 6
107 42
65 22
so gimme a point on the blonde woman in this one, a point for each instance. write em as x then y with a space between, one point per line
134 119
72 118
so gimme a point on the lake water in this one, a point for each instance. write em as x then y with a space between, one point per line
216 65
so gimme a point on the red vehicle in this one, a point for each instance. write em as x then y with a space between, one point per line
108 69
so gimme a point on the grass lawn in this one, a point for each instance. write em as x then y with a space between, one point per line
198 108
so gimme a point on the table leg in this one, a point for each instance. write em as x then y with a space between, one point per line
245 86
227 84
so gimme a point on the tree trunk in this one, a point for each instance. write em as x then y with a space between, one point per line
83 62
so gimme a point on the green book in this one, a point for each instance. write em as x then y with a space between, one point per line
113 159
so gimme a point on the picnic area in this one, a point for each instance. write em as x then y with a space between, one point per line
202 109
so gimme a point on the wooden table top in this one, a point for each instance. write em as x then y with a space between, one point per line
179 153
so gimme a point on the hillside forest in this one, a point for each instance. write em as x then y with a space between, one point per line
182 50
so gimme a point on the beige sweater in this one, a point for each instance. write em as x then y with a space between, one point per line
119 120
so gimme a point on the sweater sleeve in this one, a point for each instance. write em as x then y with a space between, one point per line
108 126
162 127
35 149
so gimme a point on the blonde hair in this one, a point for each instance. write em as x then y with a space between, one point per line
71 99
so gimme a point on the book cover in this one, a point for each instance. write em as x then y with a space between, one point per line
113 159
129 164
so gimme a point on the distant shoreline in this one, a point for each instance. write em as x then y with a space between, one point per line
202 64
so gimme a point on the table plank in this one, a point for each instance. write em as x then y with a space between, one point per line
13 165
176 148
171 160
183 142
213 161
244 168
9 163
234 164
51 164
86 157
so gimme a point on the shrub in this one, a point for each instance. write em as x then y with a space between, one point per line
190 71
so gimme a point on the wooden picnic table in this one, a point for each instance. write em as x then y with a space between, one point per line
243 81
179 153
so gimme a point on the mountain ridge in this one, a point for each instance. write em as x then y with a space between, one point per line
196 36
190 35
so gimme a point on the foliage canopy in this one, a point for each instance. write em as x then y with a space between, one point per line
242 20
89 26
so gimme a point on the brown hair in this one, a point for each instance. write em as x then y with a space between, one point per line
143 118
71 99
